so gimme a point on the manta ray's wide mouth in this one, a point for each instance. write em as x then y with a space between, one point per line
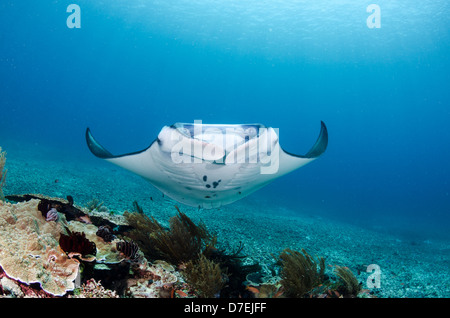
199 130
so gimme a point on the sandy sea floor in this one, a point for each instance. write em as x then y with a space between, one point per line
418 268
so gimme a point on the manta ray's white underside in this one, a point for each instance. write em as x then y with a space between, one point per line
211 165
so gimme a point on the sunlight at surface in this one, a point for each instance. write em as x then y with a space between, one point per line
311 29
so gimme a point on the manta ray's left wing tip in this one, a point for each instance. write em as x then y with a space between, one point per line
97 149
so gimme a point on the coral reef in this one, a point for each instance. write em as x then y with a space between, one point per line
106 252
300 272
47 243
29 248
34 250
93 289
156 280
66 207
2 173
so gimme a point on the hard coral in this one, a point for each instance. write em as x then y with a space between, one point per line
156 280
106 251
66 207
29 249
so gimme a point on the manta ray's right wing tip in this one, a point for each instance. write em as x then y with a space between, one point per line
321 143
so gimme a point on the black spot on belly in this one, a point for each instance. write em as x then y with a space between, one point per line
207 197
239 192
205 178
208 186
215 184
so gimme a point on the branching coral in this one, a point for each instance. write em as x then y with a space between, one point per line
205 276
2 173
300 272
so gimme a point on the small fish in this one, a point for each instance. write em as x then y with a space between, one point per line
254 290
278 294
181 293
84 219
129 249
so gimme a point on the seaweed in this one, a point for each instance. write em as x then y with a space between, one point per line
205 276
350 285
2 173
184 241
300 272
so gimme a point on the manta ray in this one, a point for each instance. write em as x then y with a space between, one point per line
208 166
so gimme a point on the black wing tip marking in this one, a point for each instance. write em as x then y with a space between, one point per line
319 147
100 152
321 143
96 149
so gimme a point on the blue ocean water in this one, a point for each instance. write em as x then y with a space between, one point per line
135 66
